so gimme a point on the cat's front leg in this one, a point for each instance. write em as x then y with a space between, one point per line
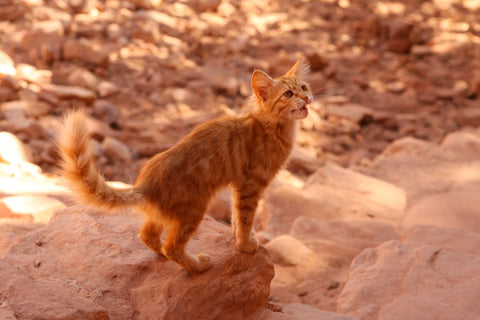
246 202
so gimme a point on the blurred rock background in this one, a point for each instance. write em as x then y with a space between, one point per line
386 168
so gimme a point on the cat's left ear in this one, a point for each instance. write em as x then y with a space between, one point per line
299 69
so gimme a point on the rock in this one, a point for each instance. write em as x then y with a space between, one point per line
316 61
475 85
106 89
287 250
298 311
82 50
66 92
29 108
13 150
470 116
420 50
428 271
27 178
82 6
463 142
147 4
146 29
31 74
400 37
283 205
23 128
12 10
116 150
334 193
83 78
301 161
333 245
396 87
220 78
40 208
461 88
7 94
350 111
336 243
371 189
105 111
43 42
10 82
204 5
423 168
401 45
88 25
128 280
57 12
220 207
455 208
6 65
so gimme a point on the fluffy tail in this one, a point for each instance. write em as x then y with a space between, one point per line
78 168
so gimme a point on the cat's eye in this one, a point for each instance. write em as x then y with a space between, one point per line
288 94
304 88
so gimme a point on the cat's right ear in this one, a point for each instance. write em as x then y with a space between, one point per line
261 83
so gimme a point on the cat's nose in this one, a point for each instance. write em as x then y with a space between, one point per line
306 99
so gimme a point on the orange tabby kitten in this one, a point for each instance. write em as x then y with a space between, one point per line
174 187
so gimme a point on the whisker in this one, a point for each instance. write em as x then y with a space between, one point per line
324 88
316 96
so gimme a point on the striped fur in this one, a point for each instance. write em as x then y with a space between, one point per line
174 187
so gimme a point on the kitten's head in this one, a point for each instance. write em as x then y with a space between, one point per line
285 97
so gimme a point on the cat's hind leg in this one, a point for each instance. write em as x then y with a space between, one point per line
150 233
179 232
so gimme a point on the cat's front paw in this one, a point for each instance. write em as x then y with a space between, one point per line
248 246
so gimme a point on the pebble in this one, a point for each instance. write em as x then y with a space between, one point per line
105 111
116 150
65 92
6 64
82 50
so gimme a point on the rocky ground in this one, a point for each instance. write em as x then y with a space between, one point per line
375 217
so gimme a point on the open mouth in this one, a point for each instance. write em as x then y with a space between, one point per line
300 113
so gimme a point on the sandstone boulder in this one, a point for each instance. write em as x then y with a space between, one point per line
456 208
301 161
432 274
335 193
423 168
84 266
312 262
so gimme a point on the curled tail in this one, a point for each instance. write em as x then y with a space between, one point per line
78 167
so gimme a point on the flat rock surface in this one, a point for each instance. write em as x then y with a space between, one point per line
432 274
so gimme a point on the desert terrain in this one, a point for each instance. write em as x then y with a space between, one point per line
375 216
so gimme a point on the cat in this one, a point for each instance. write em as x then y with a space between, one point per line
174 187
